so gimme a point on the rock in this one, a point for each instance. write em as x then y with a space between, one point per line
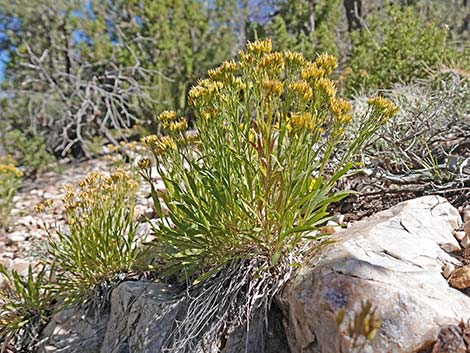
394 260
459 235
465 242
140 317
17 237
450 340
21 266
466 228
72 331
466 214
460 278
448 269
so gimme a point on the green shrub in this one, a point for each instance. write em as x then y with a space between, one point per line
10 178
100 241
25 304
30 151
258 177
393 48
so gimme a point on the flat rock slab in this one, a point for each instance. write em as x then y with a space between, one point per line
393 259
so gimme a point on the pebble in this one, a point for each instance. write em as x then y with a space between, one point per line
466 228
448 269
466 215
466 241
460 278
459 235
21 266
17 237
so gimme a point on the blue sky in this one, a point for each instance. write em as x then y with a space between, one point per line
3 58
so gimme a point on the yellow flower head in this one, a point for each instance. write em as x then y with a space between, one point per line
167 116
326 86
294 59
246 59
144 163
301 88
10 169
339 106
273 63
311 72
327 62
224 71
259 47
40 207
164 144
273 87
178 126
204 90
383 106
149 140
303 121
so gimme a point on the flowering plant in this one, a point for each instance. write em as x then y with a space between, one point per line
100 242
256 177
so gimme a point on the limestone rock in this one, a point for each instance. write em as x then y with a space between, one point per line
448 269
460 278
140 318
72 331
466 228
393 259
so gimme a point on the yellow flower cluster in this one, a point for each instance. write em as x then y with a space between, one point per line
341 108
167 116
272 63
301 88
326 86
40 207
204 90
259 47
144 163
96 189
303 121
383 106
170 121
224 72
294 59
178 126
273 87
159 145
311 72
327 62
10 169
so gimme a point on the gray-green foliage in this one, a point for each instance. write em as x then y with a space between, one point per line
433 112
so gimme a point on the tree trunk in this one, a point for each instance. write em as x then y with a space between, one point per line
353 14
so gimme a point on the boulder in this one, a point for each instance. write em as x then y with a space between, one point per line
140 318
393 260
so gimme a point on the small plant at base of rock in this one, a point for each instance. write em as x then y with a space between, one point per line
252 187
100 242
10 178
25 305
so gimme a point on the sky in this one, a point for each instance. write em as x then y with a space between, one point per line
3 58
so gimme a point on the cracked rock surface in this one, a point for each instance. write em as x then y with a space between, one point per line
393 259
